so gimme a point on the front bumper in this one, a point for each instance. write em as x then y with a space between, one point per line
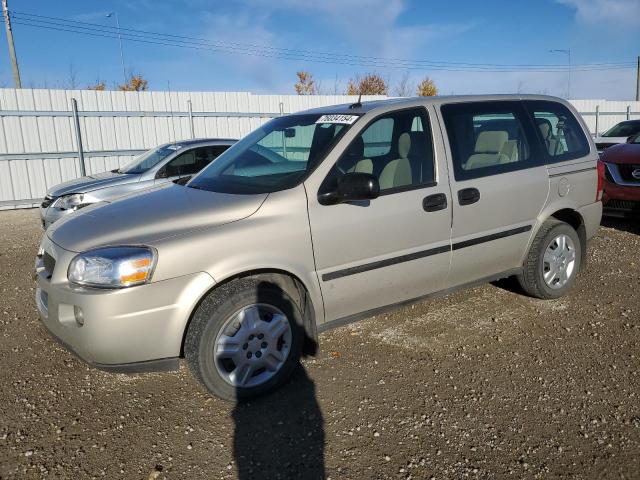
621 200
130 329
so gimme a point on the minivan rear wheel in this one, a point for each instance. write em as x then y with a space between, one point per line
245 339
553 261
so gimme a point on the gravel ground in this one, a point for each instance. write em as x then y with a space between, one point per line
485 383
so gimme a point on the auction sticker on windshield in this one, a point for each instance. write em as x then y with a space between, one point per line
337 118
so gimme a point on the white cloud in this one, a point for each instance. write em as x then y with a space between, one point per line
370 27
615 13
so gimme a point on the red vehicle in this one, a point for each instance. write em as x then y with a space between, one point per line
622 178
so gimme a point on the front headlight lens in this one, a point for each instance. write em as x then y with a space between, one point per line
72 202
113 267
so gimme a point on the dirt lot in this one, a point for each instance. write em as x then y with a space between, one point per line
482 384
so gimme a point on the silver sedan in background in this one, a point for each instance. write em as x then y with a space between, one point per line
171 162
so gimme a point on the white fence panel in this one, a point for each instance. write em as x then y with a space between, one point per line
38 144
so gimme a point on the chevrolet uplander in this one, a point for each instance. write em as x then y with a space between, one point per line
317 219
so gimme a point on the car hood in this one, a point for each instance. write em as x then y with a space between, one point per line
150 216
90 183
610 140
624 153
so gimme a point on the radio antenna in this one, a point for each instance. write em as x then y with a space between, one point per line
358 103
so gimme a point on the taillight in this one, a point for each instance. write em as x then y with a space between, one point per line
600 189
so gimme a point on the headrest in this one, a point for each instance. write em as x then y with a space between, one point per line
491 141
404 145
545 127
356 149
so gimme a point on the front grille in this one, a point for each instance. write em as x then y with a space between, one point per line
48 200
623 205
49 264
626 172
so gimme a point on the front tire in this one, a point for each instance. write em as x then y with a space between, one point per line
553 261
245 339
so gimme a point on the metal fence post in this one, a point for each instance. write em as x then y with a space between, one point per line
76 118
281 109
193 135
597 119
628 112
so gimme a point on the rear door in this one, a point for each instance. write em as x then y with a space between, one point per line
371 254
499 186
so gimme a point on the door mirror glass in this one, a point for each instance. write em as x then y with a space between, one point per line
351 187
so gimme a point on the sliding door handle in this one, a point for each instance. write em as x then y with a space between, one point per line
467 196
435 202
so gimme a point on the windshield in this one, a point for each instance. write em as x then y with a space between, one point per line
149 159
623 129
276 156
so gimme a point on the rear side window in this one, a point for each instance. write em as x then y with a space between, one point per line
488 138
560 132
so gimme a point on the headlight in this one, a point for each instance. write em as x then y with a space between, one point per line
113 267
72 202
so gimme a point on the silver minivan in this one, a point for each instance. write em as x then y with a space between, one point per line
171 162
317 219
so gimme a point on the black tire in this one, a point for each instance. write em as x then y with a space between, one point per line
531 279
211 315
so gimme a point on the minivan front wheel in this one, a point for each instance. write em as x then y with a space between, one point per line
553 261
245 339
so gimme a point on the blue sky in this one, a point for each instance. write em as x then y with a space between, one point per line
472 31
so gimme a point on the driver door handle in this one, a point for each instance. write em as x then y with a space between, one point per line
435 202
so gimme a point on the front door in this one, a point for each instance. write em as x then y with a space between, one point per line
371 254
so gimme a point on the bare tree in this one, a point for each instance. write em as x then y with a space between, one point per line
72 79
370 84
427 88
405 87
305 85
99 85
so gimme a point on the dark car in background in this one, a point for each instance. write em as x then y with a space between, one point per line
617 134
621 195
176 161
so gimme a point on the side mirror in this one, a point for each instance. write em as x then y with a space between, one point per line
351 187
182 180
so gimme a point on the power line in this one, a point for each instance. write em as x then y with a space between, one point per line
310 52
180 41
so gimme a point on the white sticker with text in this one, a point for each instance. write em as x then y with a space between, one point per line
338 118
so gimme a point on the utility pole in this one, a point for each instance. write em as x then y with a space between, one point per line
12 48
638 82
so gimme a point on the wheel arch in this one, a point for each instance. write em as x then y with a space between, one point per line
289 283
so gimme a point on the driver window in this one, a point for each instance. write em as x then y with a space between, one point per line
183 164
396 148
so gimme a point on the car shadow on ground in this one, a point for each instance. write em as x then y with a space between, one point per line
631 225
281 435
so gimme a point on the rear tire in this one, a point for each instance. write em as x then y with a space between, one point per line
553 261
245 339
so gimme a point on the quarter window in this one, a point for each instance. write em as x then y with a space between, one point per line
487 138
560 132
396 148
